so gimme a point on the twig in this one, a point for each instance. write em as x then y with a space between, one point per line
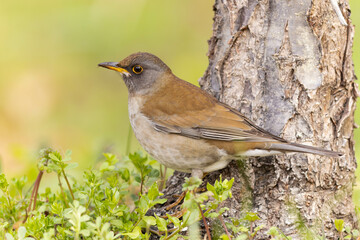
34 193
223 223
205 223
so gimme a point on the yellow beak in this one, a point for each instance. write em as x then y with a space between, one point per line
113 66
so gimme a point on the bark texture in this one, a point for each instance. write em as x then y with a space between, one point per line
287 66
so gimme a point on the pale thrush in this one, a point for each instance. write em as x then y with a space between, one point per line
187 129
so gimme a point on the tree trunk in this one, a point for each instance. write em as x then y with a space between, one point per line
287 65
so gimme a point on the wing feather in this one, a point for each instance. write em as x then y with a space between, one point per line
217 123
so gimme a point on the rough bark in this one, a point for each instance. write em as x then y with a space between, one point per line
287 66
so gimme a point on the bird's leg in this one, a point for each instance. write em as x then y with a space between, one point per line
197 173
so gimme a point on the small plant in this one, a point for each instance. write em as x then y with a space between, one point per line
345 232
113 201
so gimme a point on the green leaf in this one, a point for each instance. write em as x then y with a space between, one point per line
19 183
54 167
224 237
174 220
192 216
71 166
273 232
138 178
242 237
347 229
339 225
222 210
259 228
117 222
9 236
85 232
55 156
200 198
251 217
355 233
143 204
191 183
153 192
159 201
228 184
243 229
138 161
21 232
210 188
111 158
154 173
213 215
125 174
3 182
134 234
150 220
161 223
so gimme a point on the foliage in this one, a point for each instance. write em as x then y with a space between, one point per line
345 232
113 202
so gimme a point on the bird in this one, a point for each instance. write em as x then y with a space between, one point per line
185 128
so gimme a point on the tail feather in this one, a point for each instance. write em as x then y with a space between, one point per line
295 147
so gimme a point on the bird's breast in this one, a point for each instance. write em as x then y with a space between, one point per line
172 150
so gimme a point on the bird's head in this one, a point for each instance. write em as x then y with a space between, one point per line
140 71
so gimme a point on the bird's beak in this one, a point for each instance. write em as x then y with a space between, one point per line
115 67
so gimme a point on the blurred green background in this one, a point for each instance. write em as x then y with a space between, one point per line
53 93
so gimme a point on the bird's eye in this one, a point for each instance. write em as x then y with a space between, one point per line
137 69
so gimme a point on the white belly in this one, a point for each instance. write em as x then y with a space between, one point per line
174 151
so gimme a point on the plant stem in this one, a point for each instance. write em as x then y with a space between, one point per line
67 182
141 187
223 223
177 230
88 202
62 191
155 232
33 197
136 224
251 230
173 234
205 223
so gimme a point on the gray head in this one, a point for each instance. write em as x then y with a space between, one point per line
139 70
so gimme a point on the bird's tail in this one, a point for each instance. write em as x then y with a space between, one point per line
295 147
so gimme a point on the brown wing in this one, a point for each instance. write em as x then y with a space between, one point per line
176 111
216 123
